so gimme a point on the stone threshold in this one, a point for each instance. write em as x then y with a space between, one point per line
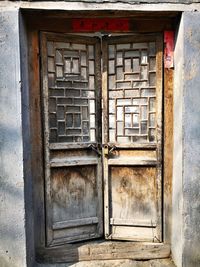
115 263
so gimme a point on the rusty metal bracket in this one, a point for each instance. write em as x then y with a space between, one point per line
95 149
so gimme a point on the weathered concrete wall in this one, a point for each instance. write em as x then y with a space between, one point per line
28 181
12 212
186 176
125 5
191 141
178 150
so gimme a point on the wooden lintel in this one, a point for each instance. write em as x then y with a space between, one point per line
64 25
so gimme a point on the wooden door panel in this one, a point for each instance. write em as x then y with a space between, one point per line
71 102
133 195
132 101
142 234
74 201
134 201
73 191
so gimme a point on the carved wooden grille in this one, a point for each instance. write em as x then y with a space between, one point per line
71 92
132 92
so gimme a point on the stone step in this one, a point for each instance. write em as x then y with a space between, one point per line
115 263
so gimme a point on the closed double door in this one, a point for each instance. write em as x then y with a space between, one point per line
102 124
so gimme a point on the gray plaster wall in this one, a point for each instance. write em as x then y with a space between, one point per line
191 141
186 176
12 211
177 200
28 180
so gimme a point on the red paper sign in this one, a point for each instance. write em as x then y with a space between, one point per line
169 49
100 24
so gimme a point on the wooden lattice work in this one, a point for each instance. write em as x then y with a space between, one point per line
71 89
132 92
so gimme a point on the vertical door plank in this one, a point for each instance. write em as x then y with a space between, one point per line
105 137
36 139
168 151
159 90
44 64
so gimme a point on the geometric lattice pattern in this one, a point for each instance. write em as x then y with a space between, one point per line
71 95
132 92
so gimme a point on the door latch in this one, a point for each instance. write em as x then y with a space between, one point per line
108 149
95 149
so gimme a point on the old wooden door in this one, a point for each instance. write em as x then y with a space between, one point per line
73 168
129 152
132 94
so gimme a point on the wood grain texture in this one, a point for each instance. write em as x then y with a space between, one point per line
168 152
76 222
104 250
105 136
73 162
73 171
134 222
133 161
133 195
159 118
128 185
36 139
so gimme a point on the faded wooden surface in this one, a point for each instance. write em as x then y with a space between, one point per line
168 152
72 175
136 195
133 93
105 137
101 250
37 147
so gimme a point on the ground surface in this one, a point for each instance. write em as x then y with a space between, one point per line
116 263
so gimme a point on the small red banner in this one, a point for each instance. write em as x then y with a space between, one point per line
100 24
169 49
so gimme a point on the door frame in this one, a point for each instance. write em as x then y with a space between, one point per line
109 250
